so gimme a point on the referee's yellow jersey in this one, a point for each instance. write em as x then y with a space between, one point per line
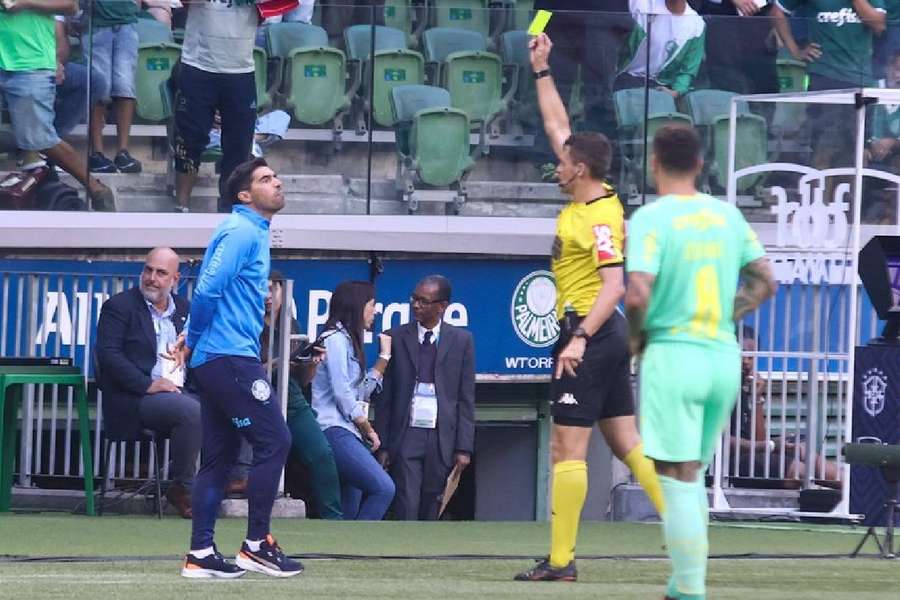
588 236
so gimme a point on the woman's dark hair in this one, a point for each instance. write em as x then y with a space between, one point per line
347 304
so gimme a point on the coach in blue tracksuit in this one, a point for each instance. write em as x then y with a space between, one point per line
222 345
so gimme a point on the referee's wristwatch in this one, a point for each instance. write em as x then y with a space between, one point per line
542 73
581 333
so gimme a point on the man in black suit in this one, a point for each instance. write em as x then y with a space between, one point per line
425 415
139 389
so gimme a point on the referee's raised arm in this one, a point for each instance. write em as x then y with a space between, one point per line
553 111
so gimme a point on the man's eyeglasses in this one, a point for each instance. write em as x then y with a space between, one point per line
413 299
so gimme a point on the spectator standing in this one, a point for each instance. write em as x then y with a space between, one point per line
740 56
675 45
71 84
114 51
426 413
217 73
341 390
28 85
136 327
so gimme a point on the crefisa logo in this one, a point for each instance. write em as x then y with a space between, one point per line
533 309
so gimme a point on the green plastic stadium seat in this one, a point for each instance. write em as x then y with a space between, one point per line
514 51
263 91
473 76
634 131
151 31
311 75
463 14
710 109
154 65
401 14
432 139
522 14
394 65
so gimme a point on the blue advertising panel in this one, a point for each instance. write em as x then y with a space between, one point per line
507 304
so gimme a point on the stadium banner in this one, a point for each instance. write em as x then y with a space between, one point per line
51 307
509 305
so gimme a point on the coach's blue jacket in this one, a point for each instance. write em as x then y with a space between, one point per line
229 301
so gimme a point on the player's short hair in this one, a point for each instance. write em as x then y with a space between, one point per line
677 149
241 178
276 276
592 149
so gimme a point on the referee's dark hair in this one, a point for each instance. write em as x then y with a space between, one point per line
442 283
241 178
677 149
592 149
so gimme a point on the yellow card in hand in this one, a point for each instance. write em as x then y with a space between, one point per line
540 22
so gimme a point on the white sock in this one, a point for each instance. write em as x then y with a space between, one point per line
253 544
202 553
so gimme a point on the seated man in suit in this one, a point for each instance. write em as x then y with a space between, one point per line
139 392
425 415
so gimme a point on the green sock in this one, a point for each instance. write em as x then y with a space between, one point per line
684 525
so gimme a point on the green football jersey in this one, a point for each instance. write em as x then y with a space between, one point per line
846 42
695 246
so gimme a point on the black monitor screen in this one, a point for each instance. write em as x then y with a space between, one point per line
893 267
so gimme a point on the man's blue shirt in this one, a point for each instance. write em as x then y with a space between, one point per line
229 300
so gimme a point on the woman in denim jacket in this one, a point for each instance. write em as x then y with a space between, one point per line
341 390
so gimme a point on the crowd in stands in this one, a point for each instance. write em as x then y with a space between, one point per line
219 84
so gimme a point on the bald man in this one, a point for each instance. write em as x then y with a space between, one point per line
139 389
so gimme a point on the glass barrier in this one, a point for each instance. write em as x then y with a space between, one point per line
350 133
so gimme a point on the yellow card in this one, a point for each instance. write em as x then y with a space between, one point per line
540 22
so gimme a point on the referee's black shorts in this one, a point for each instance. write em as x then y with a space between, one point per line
602 388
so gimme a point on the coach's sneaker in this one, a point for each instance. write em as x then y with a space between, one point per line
212 565
544 572
269 559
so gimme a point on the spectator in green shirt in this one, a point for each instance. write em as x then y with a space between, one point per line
28 86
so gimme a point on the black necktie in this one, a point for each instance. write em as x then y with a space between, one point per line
427 358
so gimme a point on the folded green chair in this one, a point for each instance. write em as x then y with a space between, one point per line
154 65
710 110
394 65
311 75
471 15
432 142
473 76
634 133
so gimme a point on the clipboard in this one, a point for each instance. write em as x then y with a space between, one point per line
450 488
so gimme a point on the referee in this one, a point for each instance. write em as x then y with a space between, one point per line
222 345
592 379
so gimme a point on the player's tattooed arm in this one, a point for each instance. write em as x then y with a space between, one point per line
637 299
757 286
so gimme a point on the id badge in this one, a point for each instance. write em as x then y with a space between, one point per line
424 407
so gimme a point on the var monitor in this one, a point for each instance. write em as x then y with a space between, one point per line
879 271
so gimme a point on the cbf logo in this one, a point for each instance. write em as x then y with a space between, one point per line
533 309
874 387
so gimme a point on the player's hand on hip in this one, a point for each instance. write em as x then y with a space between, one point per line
571 356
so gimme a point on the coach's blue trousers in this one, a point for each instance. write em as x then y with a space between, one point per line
237 400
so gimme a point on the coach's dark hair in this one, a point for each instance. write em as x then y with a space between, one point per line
347 304
677 149
443 286
592 149
240 179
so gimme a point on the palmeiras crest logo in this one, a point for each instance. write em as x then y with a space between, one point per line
533 309
261 390
874 387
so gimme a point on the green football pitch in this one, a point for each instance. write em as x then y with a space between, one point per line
73 557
